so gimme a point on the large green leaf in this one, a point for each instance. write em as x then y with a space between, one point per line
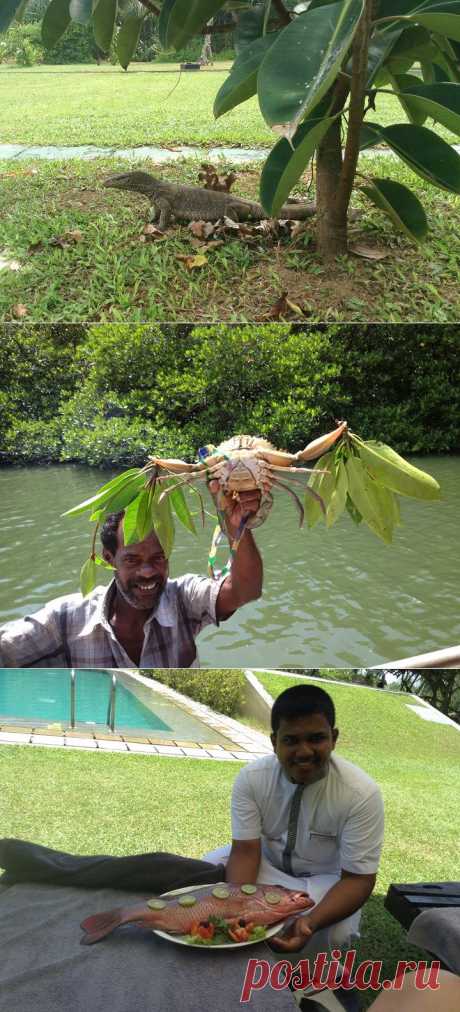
55 22
163 521
8 10
339 495
304 61
137 521
396 473
444 19
372 501
286 162
426 153
180 20
250 26
381 45
128 38
323 485
241 83
104 493
400 83
179 504
441 101
401 205
88 574
370 135
104 18
81 11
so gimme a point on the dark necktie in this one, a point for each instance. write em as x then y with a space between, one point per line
292 828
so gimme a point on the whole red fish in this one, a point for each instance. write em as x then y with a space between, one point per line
266 905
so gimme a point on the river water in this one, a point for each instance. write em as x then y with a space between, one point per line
338 597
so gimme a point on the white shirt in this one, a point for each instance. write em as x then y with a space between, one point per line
340 820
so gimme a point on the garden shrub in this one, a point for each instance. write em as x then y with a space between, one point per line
31 442
76 46
22 44
222 689
121 393
120 442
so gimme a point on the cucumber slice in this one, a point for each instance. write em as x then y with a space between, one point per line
221 892
272 897
156 904
187 900
248 889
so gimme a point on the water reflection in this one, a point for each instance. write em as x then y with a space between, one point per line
338 597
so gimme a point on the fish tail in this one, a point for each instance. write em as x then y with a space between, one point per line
99 925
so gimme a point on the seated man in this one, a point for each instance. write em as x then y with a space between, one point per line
142 619
306 818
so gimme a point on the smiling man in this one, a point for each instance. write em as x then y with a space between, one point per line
307 818
142 619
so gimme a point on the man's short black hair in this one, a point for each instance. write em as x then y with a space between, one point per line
302 701
108 532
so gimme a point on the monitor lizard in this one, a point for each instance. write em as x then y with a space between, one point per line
189 203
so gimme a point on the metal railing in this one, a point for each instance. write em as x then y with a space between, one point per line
112 701
72 698
448 658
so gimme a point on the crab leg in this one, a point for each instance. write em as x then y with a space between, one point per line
177 484
299 507
298 470
176 466
323 443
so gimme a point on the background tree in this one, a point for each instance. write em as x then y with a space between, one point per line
318 68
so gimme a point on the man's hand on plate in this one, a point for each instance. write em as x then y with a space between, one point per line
295 937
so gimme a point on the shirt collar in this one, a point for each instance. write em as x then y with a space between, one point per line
164 612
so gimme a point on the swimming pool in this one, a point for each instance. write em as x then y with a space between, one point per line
42 697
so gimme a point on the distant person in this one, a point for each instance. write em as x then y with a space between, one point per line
142 619
306 818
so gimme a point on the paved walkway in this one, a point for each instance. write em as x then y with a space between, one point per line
24 152
244 743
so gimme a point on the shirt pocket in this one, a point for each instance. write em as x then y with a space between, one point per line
322 851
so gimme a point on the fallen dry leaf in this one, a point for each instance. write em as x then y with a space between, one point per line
212 181
283 307
202 229
192 261
150 233
67 238
369 252
19 311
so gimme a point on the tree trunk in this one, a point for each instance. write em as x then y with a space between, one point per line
336 174
331 221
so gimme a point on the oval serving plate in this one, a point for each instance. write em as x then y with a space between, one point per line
181 939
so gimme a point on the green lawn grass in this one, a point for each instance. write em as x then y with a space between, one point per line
151 104
110 275
107 803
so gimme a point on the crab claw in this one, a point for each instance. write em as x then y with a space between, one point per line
319 446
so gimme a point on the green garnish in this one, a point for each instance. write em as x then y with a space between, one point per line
248 889
156 904
272 897
221 892
187 900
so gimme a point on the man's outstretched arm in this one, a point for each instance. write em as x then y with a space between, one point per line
244 581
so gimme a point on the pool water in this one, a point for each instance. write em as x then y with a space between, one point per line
43 695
